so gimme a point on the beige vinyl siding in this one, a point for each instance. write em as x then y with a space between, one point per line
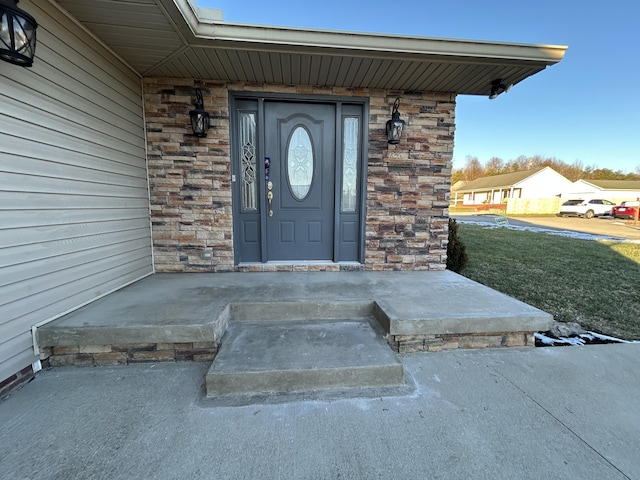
74 202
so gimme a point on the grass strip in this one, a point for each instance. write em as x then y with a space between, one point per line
596 284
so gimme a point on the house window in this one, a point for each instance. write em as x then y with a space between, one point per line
248 161
350 156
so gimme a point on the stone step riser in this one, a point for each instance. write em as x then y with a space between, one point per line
253 383
299 311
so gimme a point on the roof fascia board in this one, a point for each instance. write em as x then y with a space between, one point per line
487 189
611 188
585 182
208 29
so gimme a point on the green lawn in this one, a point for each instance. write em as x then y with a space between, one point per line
596 284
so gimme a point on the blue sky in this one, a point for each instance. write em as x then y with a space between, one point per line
585 108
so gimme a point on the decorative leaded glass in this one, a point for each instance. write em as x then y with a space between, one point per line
350 164
300 163
248 161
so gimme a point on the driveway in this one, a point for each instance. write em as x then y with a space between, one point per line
601 226
533 413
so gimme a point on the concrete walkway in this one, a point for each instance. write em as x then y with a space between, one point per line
533 413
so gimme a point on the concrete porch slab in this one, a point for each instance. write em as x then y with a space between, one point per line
166 308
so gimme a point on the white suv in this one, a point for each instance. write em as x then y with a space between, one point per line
586 208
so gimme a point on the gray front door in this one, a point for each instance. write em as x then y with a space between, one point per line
300 187
298 178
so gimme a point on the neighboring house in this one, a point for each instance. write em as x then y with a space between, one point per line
102 182
615 190
541 183
458 185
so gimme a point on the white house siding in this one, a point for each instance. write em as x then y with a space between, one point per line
547 183
74 204
583 189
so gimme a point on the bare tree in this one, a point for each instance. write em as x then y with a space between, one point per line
537 161
473 168
574 171
494 166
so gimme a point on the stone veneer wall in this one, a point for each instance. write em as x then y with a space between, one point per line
190 178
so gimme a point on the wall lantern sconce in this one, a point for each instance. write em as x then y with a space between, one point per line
497 87
200 121
17 34
395 125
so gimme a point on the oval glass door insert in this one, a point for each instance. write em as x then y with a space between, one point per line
300 162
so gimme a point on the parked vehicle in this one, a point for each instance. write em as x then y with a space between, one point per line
595 207
625 210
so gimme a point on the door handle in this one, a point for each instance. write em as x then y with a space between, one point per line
270 198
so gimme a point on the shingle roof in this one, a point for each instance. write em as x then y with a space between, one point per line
615 184
458 185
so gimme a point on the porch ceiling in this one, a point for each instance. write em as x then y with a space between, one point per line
175 38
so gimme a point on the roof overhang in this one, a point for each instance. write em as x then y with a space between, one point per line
176 38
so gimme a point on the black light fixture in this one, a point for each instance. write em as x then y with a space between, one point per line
395 125
497 87
17 34
199 117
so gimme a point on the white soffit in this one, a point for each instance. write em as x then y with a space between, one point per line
175 38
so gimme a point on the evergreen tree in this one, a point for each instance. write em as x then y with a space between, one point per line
456 249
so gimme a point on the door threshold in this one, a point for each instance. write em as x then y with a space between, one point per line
301 266
300 262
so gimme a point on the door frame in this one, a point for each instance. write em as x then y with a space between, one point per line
342 105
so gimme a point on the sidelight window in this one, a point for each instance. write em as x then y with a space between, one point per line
350 156
248 161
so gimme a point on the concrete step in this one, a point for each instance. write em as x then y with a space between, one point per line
298 356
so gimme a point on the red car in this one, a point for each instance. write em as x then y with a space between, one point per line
625 210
